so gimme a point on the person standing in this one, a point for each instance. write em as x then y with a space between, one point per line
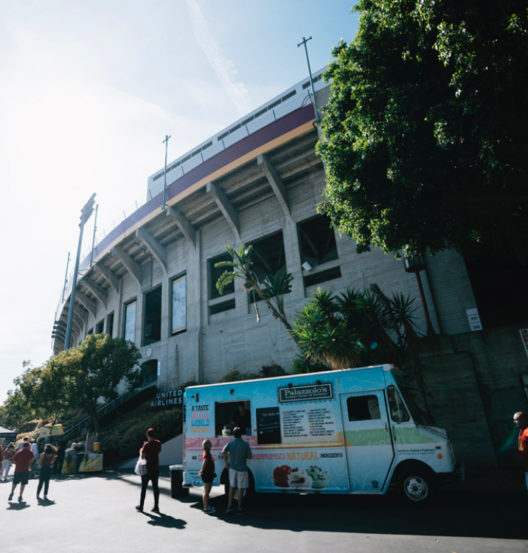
22 460
36 455
520 419
150 452
46 462
207 473
7 459
235 455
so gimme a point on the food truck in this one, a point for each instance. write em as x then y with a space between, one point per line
352 431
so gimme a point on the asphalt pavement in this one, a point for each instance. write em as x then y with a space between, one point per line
97 513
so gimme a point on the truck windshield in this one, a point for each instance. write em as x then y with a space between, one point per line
418 414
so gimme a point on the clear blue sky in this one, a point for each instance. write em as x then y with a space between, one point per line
89 89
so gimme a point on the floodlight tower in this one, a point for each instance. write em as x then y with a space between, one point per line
86 211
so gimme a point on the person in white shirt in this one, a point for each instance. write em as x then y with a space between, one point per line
36 455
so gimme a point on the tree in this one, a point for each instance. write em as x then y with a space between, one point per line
354 328
424 135
270 288
91 372
22 404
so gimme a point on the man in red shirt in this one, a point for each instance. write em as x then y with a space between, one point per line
150 452
22 460
521 420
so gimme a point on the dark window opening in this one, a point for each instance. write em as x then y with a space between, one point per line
90 331
500 289
110 324
230 414
363 408
149 371
317 241
322 276
222 306
99 327
214 275
152 316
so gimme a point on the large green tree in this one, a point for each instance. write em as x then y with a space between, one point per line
89 373
424 136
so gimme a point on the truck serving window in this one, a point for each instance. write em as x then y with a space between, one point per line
363 408
397 408
229 414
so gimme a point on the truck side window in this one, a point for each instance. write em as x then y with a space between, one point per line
397 409
363 408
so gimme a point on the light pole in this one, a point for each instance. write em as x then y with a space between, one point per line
86 211
166 141
415 265
303 43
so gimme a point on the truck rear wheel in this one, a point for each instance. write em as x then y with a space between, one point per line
416 485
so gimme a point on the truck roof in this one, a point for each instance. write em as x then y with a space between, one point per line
385 367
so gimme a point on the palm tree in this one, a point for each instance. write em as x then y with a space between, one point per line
270 288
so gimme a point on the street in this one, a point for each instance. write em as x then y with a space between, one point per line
96 513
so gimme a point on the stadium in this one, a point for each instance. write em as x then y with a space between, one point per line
151 280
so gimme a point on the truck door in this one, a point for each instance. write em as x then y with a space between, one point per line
368 443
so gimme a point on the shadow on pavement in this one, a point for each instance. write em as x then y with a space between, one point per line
45 502
165 521
17 506
477 515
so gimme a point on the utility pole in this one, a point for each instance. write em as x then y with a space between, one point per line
166 141
303 43
86 211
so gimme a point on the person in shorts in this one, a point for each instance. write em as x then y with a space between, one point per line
235 455
22 460
207 473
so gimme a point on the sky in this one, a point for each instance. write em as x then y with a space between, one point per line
89 89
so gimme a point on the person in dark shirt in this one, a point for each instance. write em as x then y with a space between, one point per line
150 452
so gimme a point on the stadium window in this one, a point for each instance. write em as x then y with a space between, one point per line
268 257
129 323
317 241
179 304
219 302
152 316
99 327
110 323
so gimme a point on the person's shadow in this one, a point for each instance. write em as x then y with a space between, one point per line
18 505
165 521
45 502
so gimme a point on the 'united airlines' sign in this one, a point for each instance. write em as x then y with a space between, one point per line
305 393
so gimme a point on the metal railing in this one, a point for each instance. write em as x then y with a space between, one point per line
108 407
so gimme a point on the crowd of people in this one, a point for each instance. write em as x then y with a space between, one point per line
28 461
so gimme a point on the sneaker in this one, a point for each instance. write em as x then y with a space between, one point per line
229 510
20 499
139 508
10 496
155 509
210 510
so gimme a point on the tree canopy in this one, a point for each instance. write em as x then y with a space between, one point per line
424 135
74 381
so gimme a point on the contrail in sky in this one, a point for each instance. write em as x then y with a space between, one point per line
223 67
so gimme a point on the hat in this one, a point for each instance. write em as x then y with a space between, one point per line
150 431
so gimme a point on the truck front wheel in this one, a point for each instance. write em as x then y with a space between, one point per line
416 485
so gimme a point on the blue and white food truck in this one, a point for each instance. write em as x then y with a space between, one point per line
351 431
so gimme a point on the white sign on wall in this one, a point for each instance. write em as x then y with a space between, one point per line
473 319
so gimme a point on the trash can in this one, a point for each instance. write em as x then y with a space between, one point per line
177 489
